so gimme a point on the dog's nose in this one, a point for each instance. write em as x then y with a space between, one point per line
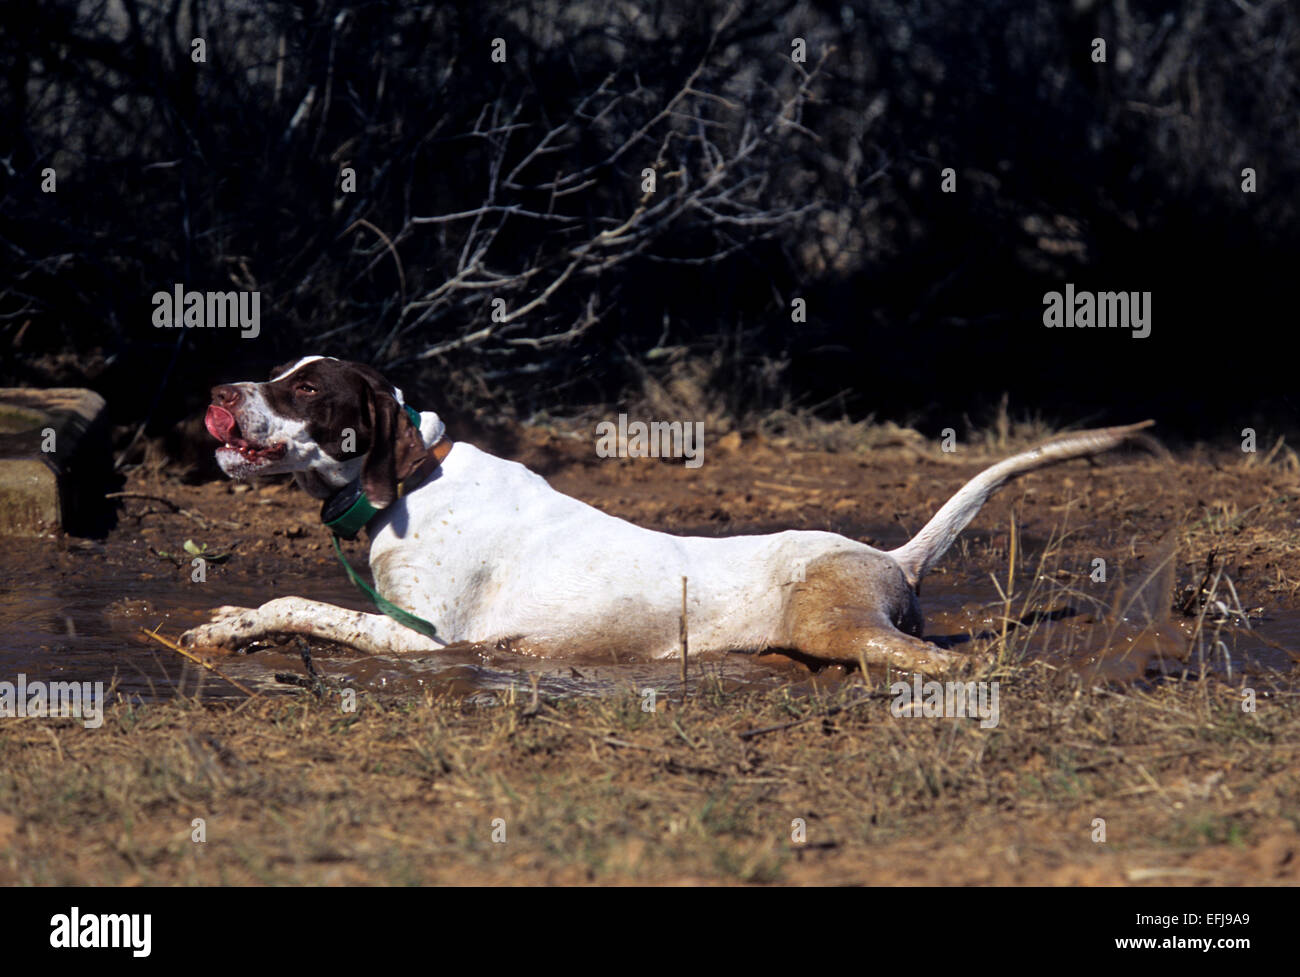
225 395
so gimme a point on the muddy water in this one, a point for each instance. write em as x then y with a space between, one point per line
86 628
1089 637
91 632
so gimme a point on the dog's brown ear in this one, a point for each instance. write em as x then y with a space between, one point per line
396 448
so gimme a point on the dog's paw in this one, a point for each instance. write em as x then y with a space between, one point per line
230 628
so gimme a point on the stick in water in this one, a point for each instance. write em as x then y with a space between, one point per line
683 634
198 661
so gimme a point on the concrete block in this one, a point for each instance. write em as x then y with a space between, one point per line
55 460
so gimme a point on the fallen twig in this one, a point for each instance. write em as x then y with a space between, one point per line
196 660
198 517
833 710
605 738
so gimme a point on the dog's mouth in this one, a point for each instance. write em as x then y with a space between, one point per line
221 424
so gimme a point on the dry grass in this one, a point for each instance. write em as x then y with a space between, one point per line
293 790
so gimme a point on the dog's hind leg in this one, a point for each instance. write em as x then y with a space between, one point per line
857 608
375 634
861 637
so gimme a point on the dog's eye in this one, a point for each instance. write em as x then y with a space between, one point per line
305 388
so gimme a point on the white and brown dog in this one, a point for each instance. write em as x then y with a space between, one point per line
490 553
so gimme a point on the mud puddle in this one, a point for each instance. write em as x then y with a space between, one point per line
90 631
73 609
1092 638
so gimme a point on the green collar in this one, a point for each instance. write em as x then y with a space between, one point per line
348 511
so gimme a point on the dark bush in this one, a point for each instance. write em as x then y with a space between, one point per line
775 180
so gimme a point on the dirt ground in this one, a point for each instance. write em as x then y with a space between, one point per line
776 774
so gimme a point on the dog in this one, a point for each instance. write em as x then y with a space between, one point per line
489 553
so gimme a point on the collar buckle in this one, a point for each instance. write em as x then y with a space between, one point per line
347 511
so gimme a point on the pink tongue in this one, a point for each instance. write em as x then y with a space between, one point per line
220 423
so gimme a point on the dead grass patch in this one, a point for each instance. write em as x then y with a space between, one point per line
596 790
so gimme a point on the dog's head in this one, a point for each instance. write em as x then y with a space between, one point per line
328 421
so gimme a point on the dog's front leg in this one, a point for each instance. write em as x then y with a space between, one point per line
234 627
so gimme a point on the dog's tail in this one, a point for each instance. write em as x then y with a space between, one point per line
923 550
